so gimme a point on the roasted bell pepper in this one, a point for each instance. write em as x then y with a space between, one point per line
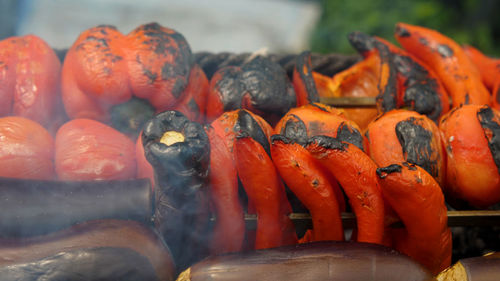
403 135
448 60
311 183
30 81
260 85
179 151
471 136
105 69
303 81
26 149
86 149
419 202
229 229
419 88
144 168
356 173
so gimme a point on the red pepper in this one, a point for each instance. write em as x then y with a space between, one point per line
303 81
86 149
26 149
30 81
104 69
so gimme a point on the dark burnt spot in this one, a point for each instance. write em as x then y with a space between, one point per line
281 138
151 76
264 82
108 71
467 98
319 106
193 106
116 58
303 61
385 171
423 41
350 135
402 32
416 143
490 123
315 182
387 98
296 130
422 98
328 142
360 41
444 51
410 166
100 41
418 179
103 27
179 86
246 124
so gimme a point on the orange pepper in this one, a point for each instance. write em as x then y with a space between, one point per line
303 80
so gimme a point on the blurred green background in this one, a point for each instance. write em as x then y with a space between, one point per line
472 22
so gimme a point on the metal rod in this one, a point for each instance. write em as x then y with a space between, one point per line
348 102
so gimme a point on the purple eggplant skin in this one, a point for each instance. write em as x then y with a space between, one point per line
484 268
330 260
37 207
108 249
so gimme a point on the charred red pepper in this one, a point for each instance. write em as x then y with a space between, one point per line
86 149
179 151
30 81
153 64
26 149
260 85
419 202
303 81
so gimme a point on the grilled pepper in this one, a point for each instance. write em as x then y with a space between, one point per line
152 66
26 149
30 81
303 81
471 136
458 74
86 149
419 202
260 85
179 150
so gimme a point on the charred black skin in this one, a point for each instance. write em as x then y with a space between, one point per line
384 171
328 142
333 260
304 62
416 144
181 171
96 264
246 126
350 135
36 207
420 94
263 81
491 128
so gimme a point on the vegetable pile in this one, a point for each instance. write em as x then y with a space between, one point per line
253 141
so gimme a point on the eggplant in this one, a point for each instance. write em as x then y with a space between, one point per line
484 268
94 250
36 207
330 260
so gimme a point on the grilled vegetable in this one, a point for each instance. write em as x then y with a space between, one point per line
402 135
448 60
260 85
303 81
471 136
106 72
355 172
36 207
94 250
418 200
26 149
179 150
86 149
484 268
30 81
310 261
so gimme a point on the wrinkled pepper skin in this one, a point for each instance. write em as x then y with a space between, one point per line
30 81
303 80
367 46
310 182
229 229
458 74
418 200
179 151
260 86
26 149
266 191
403 135
471 136
419 88
86 149
356 173
104 69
